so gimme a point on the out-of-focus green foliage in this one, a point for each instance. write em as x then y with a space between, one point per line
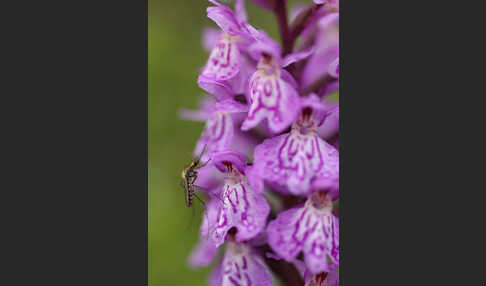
175 54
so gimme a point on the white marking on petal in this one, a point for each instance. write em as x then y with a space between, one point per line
225 59
271 98
244 268
242 208
315 231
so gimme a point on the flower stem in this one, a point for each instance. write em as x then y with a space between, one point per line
288 34
280 11
302 21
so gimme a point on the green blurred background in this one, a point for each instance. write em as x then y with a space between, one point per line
175 54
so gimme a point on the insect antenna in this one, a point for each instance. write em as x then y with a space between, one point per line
198 158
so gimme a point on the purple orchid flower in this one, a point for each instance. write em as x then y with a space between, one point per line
220 131
310 228
292 160
205 250
290 137
325 59
227 69
238 204
272 91
241 265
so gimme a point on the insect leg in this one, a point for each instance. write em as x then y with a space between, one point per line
191 220
200 189
194 178
205 212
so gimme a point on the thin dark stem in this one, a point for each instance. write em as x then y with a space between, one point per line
302 21
280 10
289 35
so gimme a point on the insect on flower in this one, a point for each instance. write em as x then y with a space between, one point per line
189 177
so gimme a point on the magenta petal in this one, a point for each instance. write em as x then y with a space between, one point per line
319 110
309 230
224 18
209 178
203 253
217 135
243 143
211 37
206 107
241 207
330 126
219 132
280 234
240 11
294 159
273 99
326 50
264 45
225 59
236 159
333 69
286 76
318 64
195 115
297 56
329 21
240 82
241 266
255 180
231 106
219 89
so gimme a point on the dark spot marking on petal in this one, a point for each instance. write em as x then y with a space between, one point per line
228 165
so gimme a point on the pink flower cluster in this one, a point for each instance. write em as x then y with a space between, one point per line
271 135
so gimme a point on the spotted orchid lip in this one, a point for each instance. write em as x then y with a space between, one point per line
241 266
272 99
240 207
306 229
225 59
294 160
